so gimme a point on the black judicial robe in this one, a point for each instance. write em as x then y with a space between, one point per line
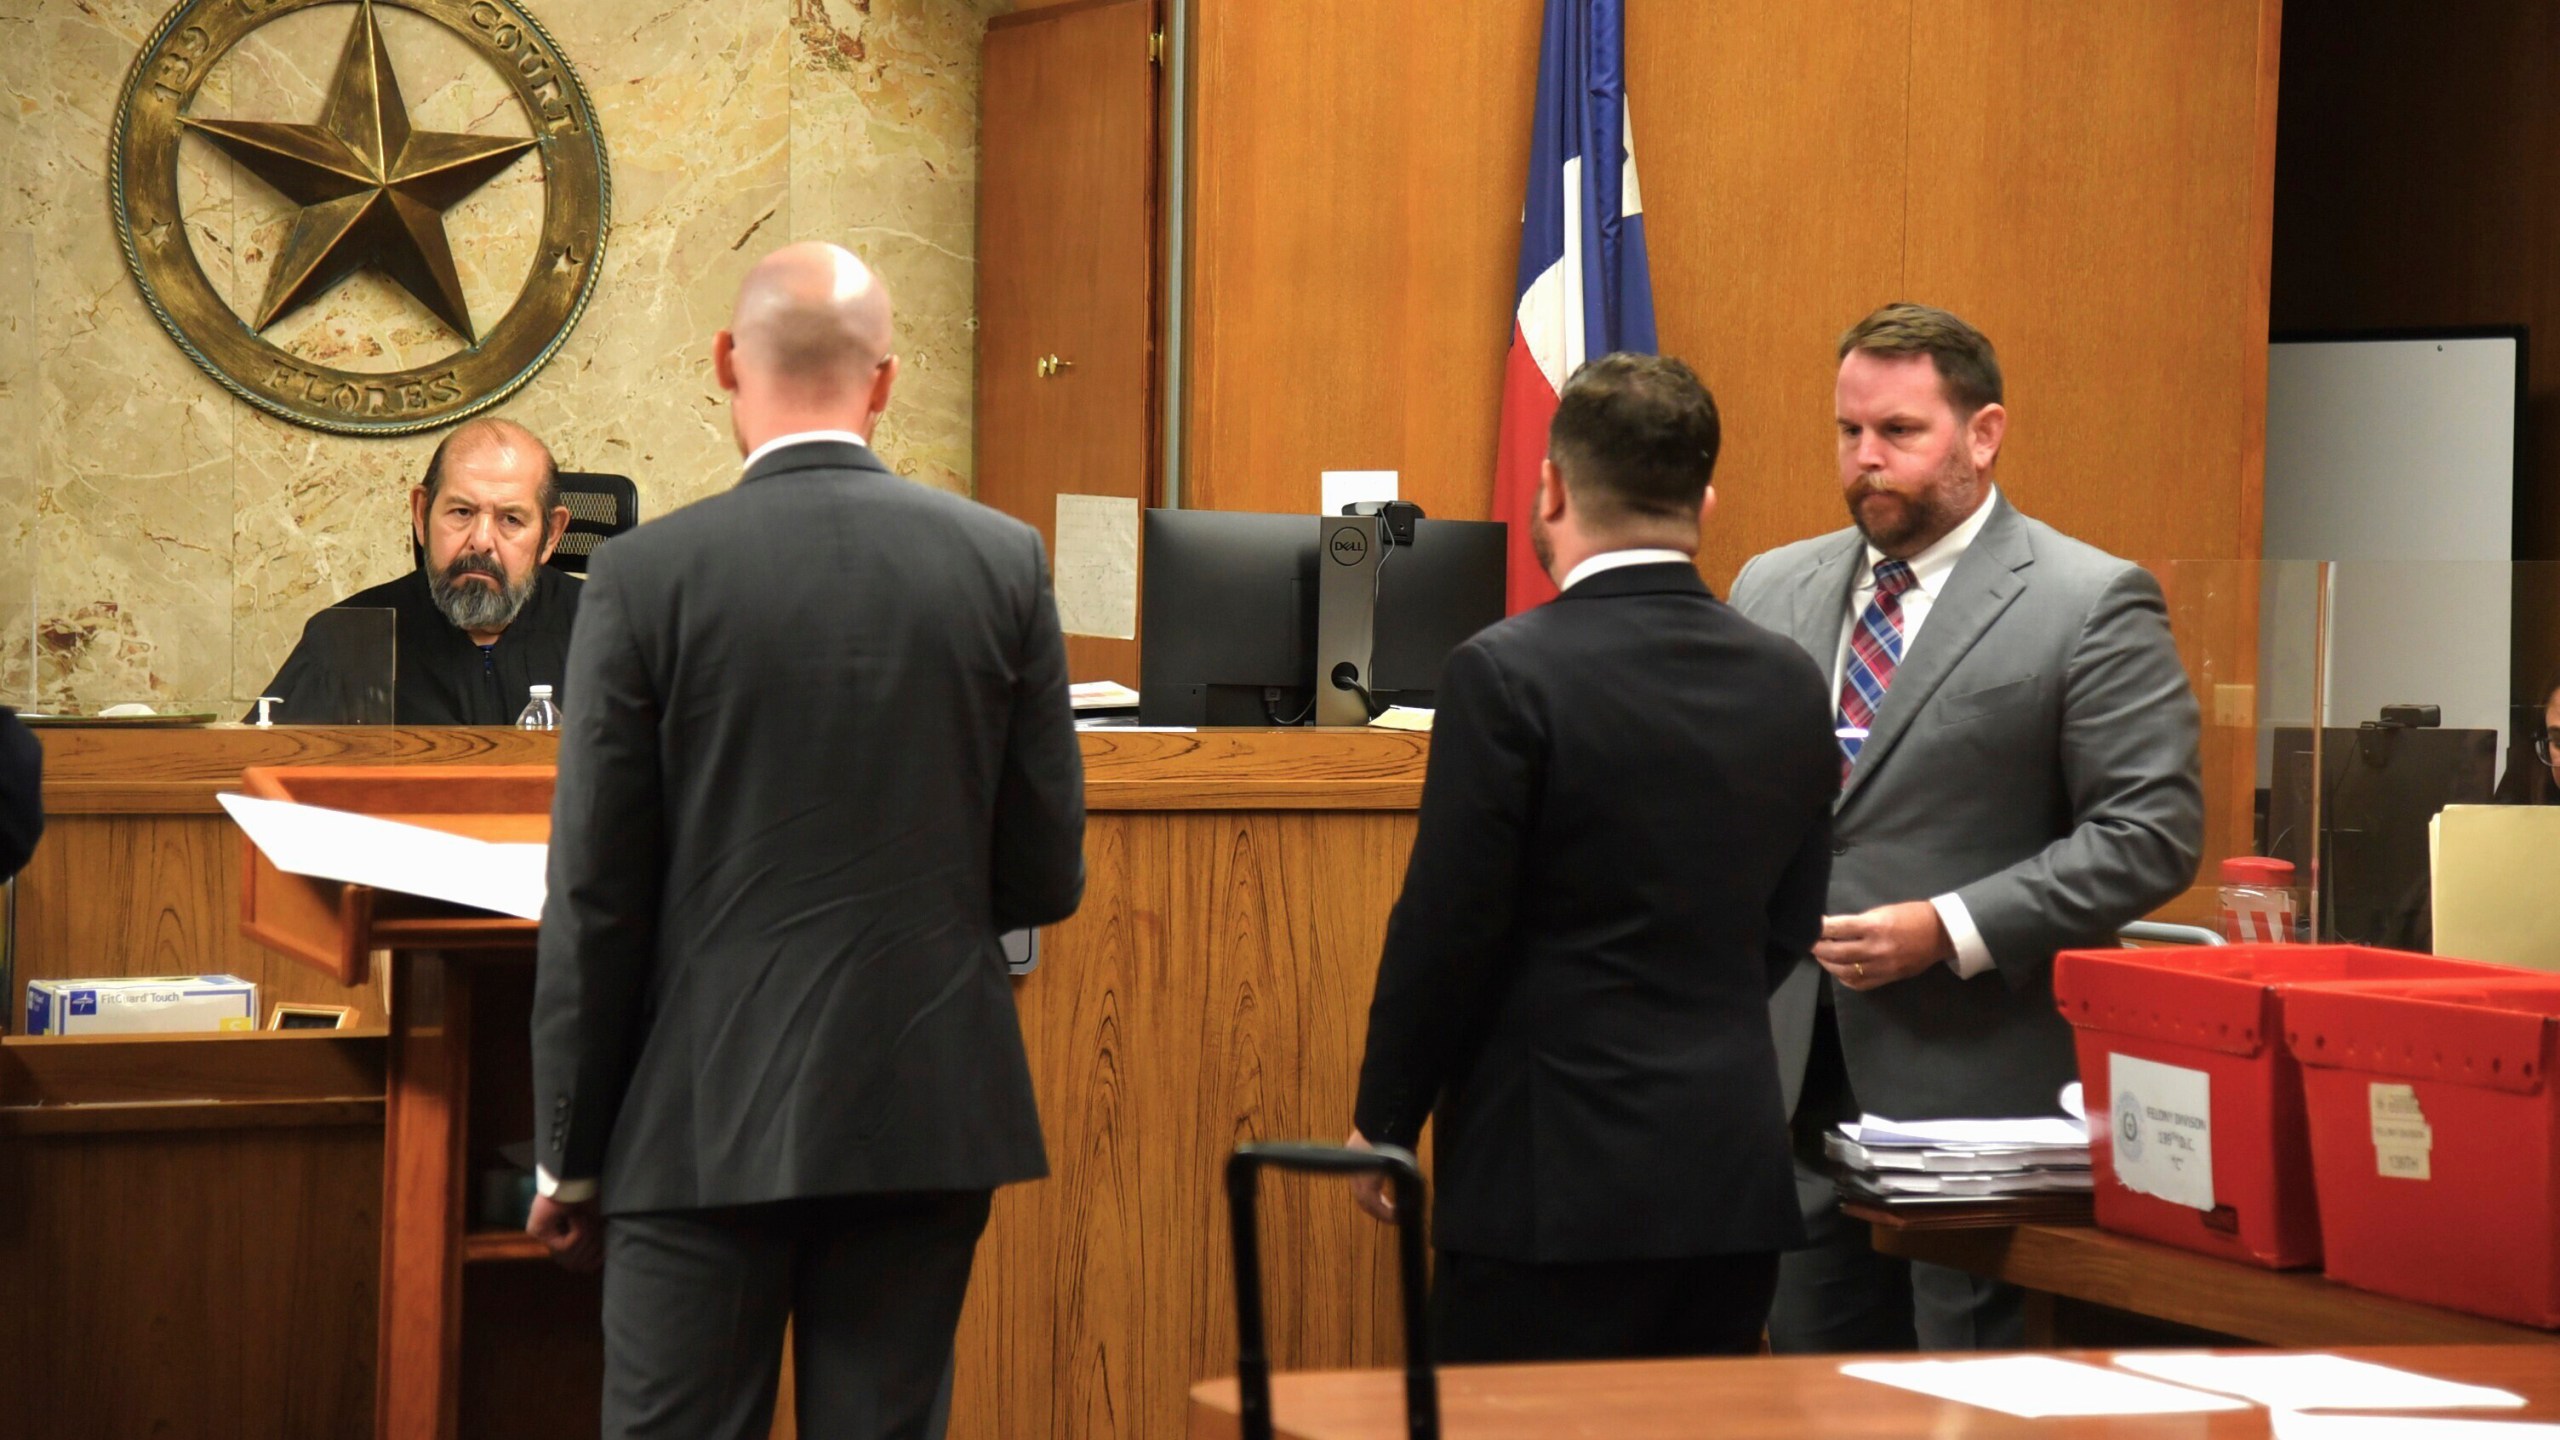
441 677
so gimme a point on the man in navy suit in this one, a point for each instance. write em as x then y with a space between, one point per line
1624 844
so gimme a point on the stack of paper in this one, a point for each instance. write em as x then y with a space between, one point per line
1948 1160
1101 695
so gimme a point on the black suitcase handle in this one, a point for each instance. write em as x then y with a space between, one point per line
1253 1364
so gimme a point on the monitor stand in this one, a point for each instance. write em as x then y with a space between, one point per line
1347 557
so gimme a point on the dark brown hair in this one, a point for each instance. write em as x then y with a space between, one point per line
1636 438
1967 368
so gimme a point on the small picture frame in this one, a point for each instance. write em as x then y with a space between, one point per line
296 1015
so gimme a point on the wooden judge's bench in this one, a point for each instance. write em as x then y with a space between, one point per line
198 1238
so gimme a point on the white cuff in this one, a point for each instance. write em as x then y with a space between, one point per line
1972 957
567 1192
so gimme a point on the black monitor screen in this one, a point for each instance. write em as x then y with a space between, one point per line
1229 613
1432 595
1229 624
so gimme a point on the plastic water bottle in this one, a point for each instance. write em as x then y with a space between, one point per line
539 712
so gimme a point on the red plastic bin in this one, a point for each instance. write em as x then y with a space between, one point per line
2435 1137
2218 1010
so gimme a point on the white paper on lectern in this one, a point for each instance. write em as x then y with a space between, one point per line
2037 1387
389 855
2315 1382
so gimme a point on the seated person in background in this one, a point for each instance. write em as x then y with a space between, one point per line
483 619
2538 783
21 793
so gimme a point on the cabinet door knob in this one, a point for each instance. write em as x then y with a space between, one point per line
1049 366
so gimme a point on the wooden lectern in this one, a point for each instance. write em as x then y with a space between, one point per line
472 1341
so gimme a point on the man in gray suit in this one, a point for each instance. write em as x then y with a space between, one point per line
2019 776
818 755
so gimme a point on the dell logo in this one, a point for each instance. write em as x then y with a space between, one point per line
1348 546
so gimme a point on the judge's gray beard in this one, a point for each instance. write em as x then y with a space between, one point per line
478 607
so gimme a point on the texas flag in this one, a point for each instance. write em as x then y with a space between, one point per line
1584 288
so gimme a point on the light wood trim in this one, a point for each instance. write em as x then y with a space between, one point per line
168 772
178 772
2268 1306
45 1070
145 1116
1769 1398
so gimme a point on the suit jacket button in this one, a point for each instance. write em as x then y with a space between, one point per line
1839 847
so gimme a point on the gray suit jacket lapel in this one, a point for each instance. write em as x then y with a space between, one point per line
1983 584
1820 604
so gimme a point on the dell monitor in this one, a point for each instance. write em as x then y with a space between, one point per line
1229 614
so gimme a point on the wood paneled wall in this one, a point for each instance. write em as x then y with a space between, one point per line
1214 988
2089 182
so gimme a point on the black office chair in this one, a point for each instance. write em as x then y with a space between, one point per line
600 507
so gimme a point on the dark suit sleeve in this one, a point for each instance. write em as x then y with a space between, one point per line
1038 865
599 922
1448 950
21 793
1795 907
2131 773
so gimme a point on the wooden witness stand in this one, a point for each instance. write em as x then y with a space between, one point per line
460 985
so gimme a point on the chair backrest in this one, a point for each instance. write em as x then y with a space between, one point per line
600 507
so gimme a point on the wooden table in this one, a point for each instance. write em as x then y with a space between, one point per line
2289 1308
1767 1398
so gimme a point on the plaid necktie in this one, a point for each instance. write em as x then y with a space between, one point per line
1875 648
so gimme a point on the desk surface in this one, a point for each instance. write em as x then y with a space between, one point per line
2285 1308
1767 1398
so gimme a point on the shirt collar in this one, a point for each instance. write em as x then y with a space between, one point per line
1619 559
1938 559
802 437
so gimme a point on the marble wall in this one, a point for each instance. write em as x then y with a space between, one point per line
162 542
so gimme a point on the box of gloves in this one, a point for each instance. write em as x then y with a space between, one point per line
133 1005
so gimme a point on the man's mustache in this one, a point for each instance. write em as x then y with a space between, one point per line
476 564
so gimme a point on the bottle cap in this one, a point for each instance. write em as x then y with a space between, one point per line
2257 870
544 692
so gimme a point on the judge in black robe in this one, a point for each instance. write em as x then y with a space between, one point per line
483 618
441 676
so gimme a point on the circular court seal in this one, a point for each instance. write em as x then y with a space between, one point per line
369 191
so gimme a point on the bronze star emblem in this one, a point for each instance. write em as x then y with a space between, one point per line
372 191
367 192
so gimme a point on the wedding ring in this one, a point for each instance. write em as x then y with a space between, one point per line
1858 969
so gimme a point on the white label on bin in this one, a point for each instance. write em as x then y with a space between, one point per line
2162 1119
2403 1141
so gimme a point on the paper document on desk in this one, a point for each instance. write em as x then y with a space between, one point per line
2315 1382
388 855
2037 1387
1964 1160
1101 695
2490 864
2034 1130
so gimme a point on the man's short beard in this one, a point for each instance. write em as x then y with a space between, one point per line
1938 510
478 607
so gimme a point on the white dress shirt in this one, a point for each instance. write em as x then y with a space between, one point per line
1929 571
1618 559
801 437
571 1192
